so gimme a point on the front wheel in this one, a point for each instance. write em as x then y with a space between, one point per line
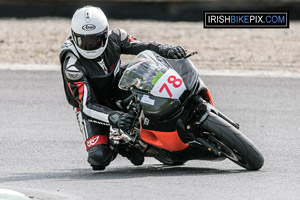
235 145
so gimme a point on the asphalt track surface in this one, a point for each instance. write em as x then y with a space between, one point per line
43 155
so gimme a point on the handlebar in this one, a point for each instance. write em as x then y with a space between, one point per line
126 101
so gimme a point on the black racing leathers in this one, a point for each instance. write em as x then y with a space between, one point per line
91 86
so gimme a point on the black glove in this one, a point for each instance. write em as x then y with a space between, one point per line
121 120
176 52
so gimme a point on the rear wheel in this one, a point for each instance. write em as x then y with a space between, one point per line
233 143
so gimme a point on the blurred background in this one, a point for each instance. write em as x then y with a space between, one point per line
171 10
32 32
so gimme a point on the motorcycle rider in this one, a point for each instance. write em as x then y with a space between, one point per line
90 61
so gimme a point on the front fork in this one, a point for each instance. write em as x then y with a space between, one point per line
200 114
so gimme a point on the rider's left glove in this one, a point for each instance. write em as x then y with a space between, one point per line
176 52
121 120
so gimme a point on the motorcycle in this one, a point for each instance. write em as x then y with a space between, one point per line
176 118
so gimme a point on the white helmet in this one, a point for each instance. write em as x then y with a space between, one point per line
89 29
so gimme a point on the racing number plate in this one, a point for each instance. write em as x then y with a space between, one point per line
170 85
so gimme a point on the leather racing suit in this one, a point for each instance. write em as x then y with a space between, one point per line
91 88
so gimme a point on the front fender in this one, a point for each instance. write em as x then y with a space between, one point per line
205 108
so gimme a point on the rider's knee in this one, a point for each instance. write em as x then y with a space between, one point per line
100 155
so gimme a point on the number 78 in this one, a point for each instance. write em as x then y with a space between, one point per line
172 80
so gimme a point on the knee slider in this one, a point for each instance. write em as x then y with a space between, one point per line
100 155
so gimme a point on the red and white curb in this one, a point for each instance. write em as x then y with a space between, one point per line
6 194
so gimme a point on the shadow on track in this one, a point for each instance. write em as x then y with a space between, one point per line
127 172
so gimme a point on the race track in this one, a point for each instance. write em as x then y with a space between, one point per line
43 155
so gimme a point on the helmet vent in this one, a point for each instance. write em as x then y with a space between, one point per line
87 15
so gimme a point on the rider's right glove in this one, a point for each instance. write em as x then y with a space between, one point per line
121 120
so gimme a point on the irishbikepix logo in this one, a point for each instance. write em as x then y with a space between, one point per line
246 19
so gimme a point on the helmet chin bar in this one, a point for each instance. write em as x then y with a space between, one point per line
91 54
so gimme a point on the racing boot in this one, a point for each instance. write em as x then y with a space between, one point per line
133 154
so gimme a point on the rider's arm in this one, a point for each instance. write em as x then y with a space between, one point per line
129 45
82 91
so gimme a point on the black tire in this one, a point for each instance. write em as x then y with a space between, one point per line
249 156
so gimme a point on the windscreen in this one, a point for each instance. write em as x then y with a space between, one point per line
143 72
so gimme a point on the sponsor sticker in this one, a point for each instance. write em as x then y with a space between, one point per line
146 99
157 77
146 122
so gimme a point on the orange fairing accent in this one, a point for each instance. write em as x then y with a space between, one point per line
165 140
210 97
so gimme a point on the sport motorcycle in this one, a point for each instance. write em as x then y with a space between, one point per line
176 118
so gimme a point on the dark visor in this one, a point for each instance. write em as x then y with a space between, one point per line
90 42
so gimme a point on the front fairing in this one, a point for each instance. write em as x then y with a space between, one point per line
149 74
151 78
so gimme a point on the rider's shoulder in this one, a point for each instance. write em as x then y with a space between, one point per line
121 34
72 70
67 47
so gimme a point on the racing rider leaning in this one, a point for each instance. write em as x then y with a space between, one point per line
90 61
